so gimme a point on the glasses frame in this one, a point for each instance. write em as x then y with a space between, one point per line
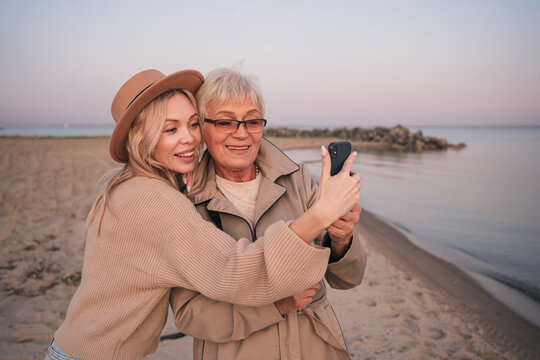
238 123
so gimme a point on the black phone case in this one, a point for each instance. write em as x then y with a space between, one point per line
339 152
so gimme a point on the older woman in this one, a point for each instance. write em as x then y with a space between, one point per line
145 237
243 184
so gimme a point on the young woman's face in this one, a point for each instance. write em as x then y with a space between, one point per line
181 136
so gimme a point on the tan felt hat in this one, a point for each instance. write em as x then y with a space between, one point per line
138 92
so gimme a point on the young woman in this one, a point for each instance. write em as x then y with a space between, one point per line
145 236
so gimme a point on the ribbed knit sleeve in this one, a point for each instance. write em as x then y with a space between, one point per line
198 256
241 272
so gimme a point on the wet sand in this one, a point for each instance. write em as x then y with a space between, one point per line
411 305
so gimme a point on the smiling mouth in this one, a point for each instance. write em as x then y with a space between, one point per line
231 147
186 154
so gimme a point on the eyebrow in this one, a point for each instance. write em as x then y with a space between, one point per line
176 120
227 112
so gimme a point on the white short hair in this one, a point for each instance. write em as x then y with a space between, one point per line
222 85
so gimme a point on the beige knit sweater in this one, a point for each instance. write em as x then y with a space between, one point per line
152 239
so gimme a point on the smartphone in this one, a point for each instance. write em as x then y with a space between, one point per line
339 152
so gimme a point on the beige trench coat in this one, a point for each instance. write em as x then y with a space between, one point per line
228 331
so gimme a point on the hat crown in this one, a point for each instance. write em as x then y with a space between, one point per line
132 89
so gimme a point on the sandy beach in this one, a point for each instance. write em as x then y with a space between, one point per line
410 305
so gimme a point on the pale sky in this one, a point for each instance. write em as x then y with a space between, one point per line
319 63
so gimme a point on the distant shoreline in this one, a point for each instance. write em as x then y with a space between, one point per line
398 138
286 143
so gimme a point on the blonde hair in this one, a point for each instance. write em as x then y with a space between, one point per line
222 85
142 139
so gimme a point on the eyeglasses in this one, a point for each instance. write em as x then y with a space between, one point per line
227 126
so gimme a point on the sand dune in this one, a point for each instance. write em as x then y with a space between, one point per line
47 187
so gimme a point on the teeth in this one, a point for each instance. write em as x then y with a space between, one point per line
185 154
237 147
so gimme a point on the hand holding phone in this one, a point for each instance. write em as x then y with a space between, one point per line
339 152
339 193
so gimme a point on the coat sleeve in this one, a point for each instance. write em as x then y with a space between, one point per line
348 271
199 256
216 321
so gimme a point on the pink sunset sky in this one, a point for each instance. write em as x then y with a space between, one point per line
319 63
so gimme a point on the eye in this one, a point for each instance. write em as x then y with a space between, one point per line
224 122
195 125
170 130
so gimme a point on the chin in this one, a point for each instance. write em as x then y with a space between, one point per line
186 170
182 169
244 166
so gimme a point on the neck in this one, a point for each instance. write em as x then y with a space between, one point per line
243 175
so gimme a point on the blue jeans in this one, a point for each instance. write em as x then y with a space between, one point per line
54 353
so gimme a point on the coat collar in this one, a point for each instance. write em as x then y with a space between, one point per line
273 164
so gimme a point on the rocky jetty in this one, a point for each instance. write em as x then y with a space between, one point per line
397 138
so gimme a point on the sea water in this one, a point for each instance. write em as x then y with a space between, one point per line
478 208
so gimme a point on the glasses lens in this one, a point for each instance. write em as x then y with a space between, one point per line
255 126
225 126
230 126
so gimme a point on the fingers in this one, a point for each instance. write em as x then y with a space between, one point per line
344 227
297 301
189 181
347 165
355 212
338 234
325 170
309 292
349 219
353 215
356 176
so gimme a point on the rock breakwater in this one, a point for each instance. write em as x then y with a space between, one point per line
398 138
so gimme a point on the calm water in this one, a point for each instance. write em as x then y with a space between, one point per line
478 208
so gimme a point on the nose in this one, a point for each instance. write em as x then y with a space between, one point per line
186 137
241 131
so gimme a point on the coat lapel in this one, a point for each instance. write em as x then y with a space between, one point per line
273 164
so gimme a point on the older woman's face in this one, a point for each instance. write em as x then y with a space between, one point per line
234 154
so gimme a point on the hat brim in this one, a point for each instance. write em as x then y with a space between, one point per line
189 80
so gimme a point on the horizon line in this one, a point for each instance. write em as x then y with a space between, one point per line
68 125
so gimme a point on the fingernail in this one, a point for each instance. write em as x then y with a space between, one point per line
188 188
354 153
323 150
184 179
